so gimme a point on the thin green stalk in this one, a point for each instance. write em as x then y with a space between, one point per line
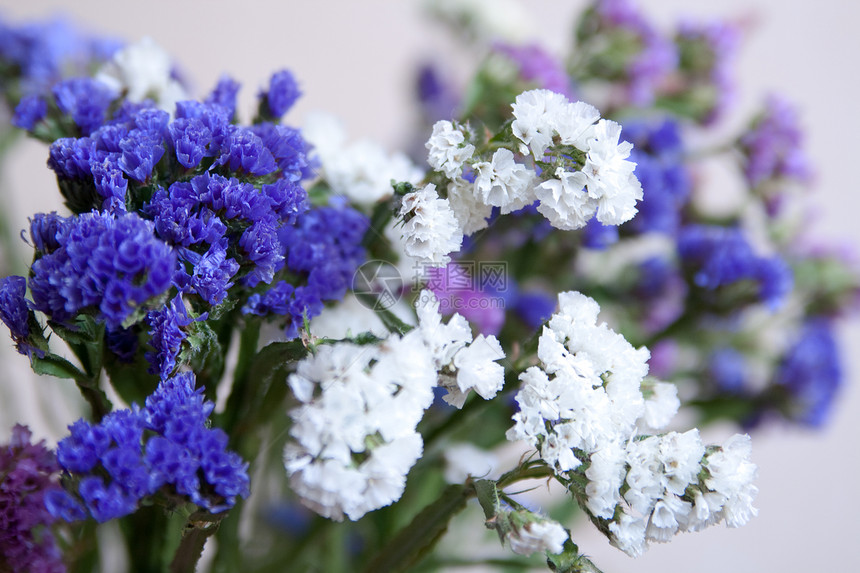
200 526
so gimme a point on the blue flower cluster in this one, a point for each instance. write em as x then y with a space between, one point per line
15 313
720 256
167 332
658 155
36 55
324 247
213 214
96 262
811 371
111 466
27 475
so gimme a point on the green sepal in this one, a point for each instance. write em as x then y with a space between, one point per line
570 561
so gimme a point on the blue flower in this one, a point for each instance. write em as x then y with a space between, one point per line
85 100
224 95
134 453
811 371
111 264
283 93
29 111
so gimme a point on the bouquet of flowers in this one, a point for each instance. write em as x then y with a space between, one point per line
301 351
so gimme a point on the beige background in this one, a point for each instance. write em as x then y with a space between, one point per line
355 59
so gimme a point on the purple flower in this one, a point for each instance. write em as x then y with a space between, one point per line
27 478
773 146
538 67
16 314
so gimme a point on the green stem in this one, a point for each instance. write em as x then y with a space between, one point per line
201 525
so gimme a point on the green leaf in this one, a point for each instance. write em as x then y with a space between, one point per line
419 537
488 497
54 365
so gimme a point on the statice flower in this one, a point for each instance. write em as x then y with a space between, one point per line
143 71
666 183
362 171
431 231
85 100
529 535
29 111
113 466
354 432
110 266
16 314
324 249
282 94
773 146
28 475
580 407
38 54
721 256
629 47
811 371
448 148
706 54
538 67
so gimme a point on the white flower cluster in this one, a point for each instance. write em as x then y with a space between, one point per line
354 431
144 70
582 407
592 175
431 231
362 170
538 536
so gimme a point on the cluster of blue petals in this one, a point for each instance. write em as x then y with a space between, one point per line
719 256
111 466
658 154
811 370
324 247
97 262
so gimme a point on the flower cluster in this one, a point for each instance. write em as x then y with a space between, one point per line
110 467
580 170
355 436
28 471
109 265
580 409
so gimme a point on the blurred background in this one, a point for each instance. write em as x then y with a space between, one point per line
358 60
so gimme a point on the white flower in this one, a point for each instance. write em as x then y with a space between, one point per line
448 149
661 405
535 113
564 201
442 340
628 534
538 536
361 171
504 183
143 70
432 231
731 475
477 369
471 212
465 460
605 476
610 178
